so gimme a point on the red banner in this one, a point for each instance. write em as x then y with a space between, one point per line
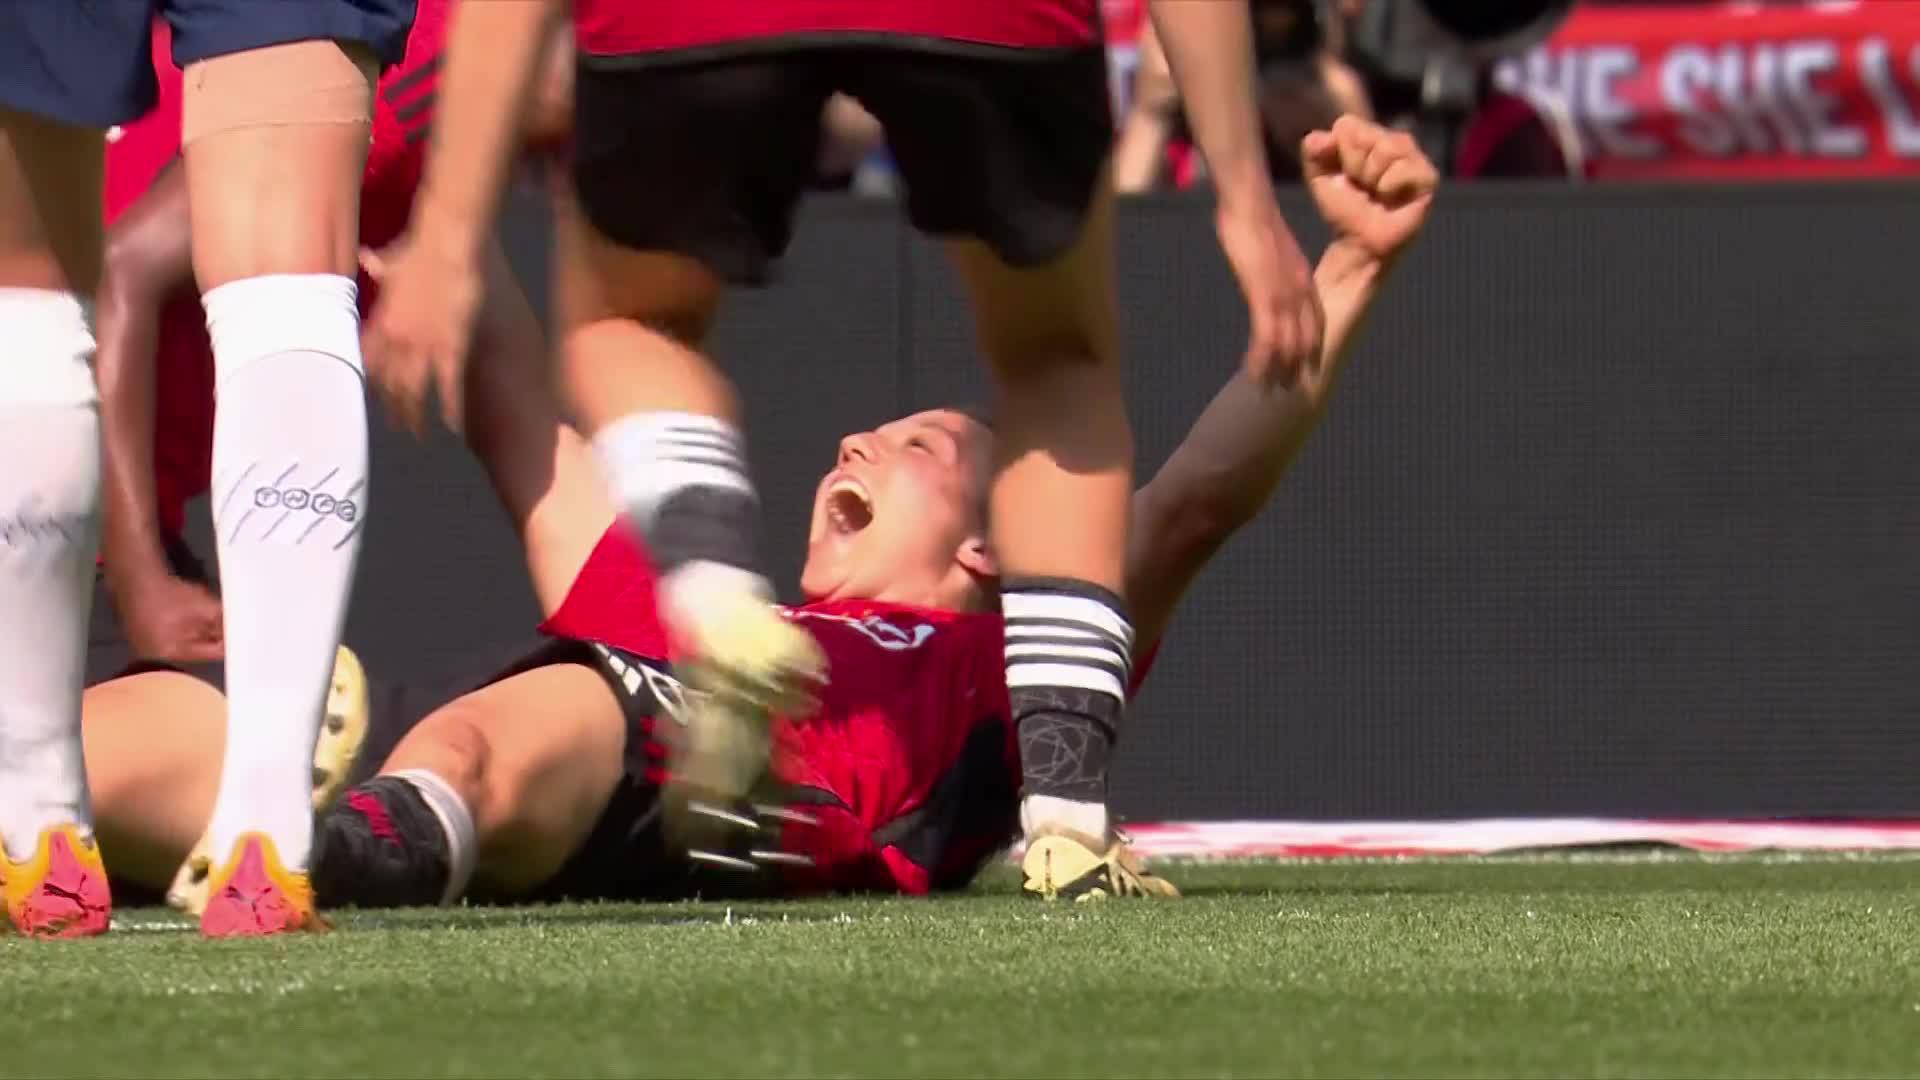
1736 90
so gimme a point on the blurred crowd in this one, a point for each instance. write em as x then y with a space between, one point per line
1310 72
1544 90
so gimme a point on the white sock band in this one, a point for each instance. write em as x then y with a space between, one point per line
1048 813
649 456
1054 639
456 821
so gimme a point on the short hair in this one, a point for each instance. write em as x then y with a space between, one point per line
978 412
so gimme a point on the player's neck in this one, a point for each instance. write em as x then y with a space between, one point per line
961 596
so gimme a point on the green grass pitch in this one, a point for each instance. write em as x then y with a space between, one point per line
1664 966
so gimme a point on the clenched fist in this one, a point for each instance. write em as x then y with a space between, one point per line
1373 185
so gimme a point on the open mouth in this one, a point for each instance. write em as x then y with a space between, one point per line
849 507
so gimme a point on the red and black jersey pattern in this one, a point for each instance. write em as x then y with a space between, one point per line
635 28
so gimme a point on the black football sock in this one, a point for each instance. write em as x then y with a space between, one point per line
381 845
1069 651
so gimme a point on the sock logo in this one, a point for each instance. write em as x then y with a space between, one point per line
25 530
321 503
30 526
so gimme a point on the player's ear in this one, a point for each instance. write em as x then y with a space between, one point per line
976 558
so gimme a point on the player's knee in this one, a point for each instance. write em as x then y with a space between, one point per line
526 836
505 801
453 745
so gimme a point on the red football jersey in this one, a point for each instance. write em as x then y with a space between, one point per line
136 155
909 764
628 27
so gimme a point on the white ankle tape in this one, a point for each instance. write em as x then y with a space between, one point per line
456 821
1041 813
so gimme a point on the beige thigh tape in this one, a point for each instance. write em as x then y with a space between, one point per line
306 82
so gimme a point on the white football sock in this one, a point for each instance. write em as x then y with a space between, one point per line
49 533
289 502
1048 813
681 479
649 457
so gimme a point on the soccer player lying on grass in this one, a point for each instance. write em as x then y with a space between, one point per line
541 779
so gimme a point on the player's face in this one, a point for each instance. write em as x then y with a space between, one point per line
899 517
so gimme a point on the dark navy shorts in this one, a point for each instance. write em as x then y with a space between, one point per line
89 62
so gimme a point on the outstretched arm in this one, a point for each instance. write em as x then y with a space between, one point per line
1374 187
149 261
1209 46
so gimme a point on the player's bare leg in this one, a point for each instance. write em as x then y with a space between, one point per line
153 750
665 423
154 743
50 254
275 144
1059 510
474 786
478 794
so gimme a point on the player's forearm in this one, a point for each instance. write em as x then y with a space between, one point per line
1233 458
128 334
1231 461
1228 466
1209 45
494 56
149 259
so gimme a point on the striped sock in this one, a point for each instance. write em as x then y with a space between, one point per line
681 479
1069 660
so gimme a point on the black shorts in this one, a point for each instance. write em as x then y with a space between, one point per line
89 62
626 855
707 156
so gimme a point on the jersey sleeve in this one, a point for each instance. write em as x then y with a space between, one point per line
612 600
